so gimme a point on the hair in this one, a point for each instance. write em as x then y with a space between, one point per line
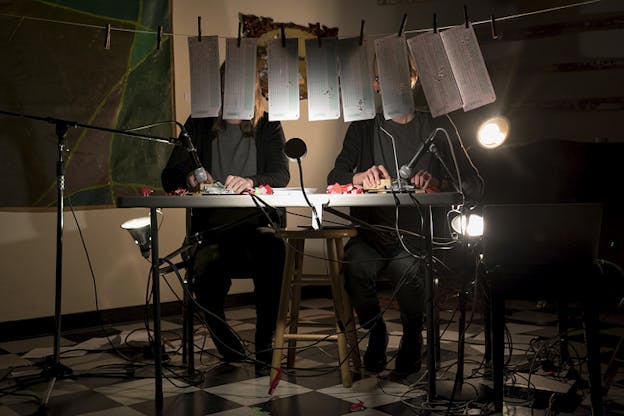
413 72
412 68
247 127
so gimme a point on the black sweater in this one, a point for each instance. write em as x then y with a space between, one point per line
271 162
357 155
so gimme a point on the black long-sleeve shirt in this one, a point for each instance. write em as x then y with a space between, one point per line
271 169
359 154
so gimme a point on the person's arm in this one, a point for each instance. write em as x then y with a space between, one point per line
178 173
348 160
274 170
178 166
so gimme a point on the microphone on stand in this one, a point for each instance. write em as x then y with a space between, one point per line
295 149
198 170
406 171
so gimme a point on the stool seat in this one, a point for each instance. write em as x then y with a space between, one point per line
344 332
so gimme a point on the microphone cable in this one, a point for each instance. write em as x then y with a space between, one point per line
396 161
305 196
295 149
198 169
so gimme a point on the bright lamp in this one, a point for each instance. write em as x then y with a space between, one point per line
140 230
468 225
493 132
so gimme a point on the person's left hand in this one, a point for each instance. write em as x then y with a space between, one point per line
238 184
424 180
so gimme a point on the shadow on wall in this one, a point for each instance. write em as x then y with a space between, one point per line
559 171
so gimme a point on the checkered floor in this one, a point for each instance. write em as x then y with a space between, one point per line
120 381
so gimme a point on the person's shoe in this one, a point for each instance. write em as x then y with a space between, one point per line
233 354
409 357
375 355
406 367
264 358
228 344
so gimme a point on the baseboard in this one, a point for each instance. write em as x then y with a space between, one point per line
36 327
28 328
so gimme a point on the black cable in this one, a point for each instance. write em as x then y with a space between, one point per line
305 195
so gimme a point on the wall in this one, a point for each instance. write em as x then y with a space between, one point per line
27 240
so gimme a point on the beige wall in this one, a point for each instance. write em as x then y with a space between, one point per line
28 240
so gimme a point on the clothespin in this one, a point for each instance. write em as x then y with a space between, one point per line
159 37
466 21
318 33
199 28
362 33
240 27
493 27
283 36
435 23
107 36
403 25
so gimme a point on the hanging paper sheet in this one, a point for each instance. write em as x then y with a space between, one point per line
356 80
322 76
283 79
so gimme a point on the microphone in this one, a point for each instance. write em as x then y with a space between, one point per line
198 170
406 171
295 148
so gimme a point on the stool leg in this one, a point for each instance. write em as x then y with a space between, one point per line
339 309
349 316
299 247
282 311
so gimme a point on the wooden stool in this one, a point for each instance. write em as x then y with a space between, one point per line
290 298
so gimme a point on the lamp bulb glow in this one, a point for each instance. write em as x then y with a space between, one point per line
493 132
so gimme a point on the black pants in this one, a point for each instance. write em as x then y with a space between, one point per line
241 253
364 265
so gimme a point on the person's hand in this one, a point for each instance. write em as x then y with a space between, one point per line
238 184
424 180
371 177
192 184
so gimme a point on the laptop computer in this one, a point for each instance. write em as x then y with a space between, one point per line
537 235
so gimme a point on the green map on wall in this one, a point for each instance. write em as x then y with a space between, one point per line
55 65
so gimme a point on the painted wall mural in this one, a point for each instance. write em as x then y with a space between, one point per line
60 62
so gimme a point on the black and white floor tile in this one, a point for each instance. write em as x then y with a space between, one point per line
120 382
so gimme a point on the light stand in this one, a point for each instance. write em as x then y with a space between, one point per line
55 369
142 232
469 229
441 389
460 390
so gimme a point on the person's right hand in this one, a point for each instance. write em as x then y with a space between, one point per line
192 184
371 177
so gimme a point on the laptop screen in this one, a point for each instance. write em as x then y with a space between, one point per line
540 234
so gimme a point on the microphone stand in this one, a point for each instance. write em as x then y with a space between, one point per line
434 150
53 368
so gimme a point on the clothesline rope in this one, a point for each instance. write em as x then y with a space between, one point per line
155 32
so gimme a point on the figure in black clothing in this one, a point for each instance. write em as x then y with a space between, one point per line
367 156
236 242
